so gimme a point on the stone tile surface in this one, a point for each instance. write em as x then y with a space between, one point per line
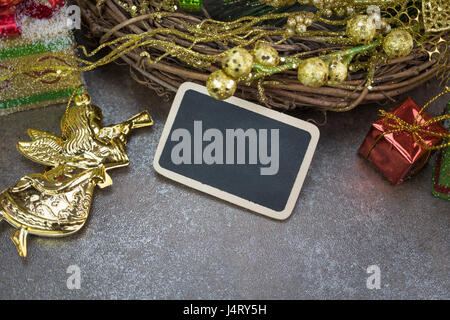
150 238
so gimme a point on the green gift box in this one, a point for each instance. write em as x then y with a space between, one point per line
441 176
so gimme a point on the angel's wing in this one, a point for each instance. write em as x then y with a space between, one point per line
45 148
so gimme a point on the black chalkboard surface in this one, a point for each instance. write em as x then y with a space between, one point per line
236 150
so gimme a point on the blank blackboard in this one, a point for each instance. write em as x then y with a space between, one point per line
243 184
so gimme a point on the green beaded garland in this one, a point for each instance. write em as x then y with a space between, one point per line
192 5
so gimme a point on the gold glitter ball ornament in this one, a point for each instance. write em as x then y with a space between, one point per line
337 72
220 85
398 43
266 55
313 72
361 29
237 63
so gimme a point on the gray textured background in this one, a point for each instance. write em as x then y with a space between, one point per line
148 237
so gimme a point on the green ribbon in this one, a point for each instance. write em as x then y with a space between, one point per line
41 97
192 5
36 48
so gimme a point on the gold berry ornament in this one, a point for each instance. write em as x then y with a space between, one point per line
299 23
398 43
337 72
266 55
361 29
313 72
237 63
220 86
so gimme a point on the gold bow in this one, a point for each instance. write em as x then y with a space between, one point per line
417 128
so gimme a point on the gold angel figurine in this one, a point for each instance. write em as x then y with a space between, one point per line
57 202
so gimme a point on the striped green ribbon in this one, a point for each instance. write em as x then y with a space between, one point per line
36 48
41 97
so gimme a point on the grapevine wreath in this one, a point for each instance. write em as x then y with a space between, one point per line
325 54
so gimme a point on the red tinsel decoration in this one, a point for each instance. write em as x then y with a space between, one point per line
10 8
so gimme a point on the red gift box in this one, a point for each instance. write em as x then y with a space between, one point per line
397 144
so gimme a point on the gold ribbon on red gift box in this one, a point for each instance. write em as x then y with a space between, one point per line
419 130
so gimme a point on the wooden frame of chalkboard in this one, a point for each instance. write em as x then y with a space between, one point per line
297 180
